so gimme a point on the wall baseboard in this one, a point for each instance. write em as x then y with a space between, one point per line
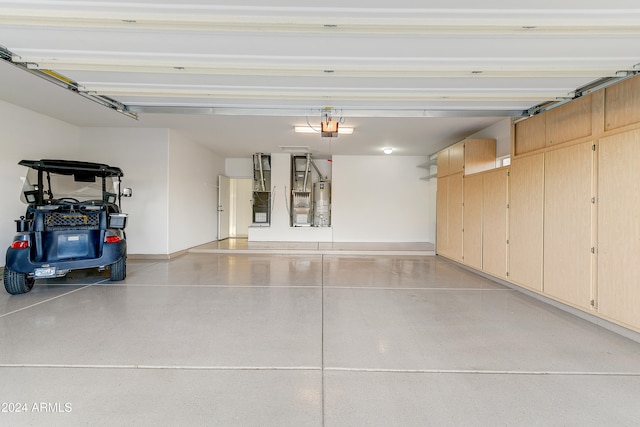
158 257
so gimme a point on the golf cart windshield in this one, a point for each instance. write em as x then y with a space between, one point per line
63 179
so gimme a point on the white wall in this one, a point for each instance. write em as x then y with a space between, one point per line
32 136
168 174
142 154
238 167
193 180
280 228
374 199
430 219
381 199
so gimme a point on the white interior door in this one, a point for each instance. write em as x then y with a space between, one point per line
240 207
244 192
224 197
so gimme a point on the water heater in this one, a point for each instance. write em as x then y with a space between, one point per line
322 204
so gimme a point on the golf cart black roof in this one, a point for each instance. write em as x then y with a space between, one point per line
72 167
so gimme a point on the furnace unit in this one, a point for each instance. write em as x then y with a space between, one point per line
310 201
261 189
301 191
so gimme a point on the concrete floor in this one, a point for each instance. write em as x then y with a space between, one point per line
261 339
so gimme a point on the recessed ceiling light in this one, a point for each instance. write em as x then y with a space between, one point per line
387 150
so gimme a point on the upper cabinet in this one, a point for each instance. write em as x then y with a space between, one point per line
569 121
622 104
565 123
479 155
530 135
468 156
456 158
443 163
614 109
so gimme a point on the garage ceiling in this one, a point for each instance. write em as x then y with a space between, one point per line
238 75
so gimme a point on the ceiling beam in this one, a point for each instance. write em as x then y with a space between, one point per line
295 66
68 84
308 112
324 20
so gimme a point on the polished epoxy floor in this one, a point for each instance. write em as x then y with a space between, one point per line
224 339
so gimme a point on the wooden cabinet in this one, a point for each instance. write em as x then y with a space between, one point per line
468 156
449 216
494 224
472 235
479 155
526 214
564 221
567 224
455 216
530 135
453 164
443 162
622 104
618 249
485 222
457 157
569 122
565 123
442 215
451 160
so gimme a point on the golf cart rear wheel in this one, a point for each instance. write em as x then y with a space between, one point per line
17 283
118 270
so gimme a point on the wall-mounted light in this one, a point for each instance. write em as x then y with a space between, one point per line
387 150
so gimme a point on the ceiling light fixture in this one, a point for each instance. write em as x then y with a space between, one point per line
309 129
328 127
387 150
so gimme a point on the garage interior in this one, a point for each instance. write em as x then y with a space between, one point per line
481 273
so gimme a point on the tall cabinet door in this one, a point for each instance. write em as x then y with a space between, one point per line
442 216
567 224
455 216
495 199
472 242
619 227
526 213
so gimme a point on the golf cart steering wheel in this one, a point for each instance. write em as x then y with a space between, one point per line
66 200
